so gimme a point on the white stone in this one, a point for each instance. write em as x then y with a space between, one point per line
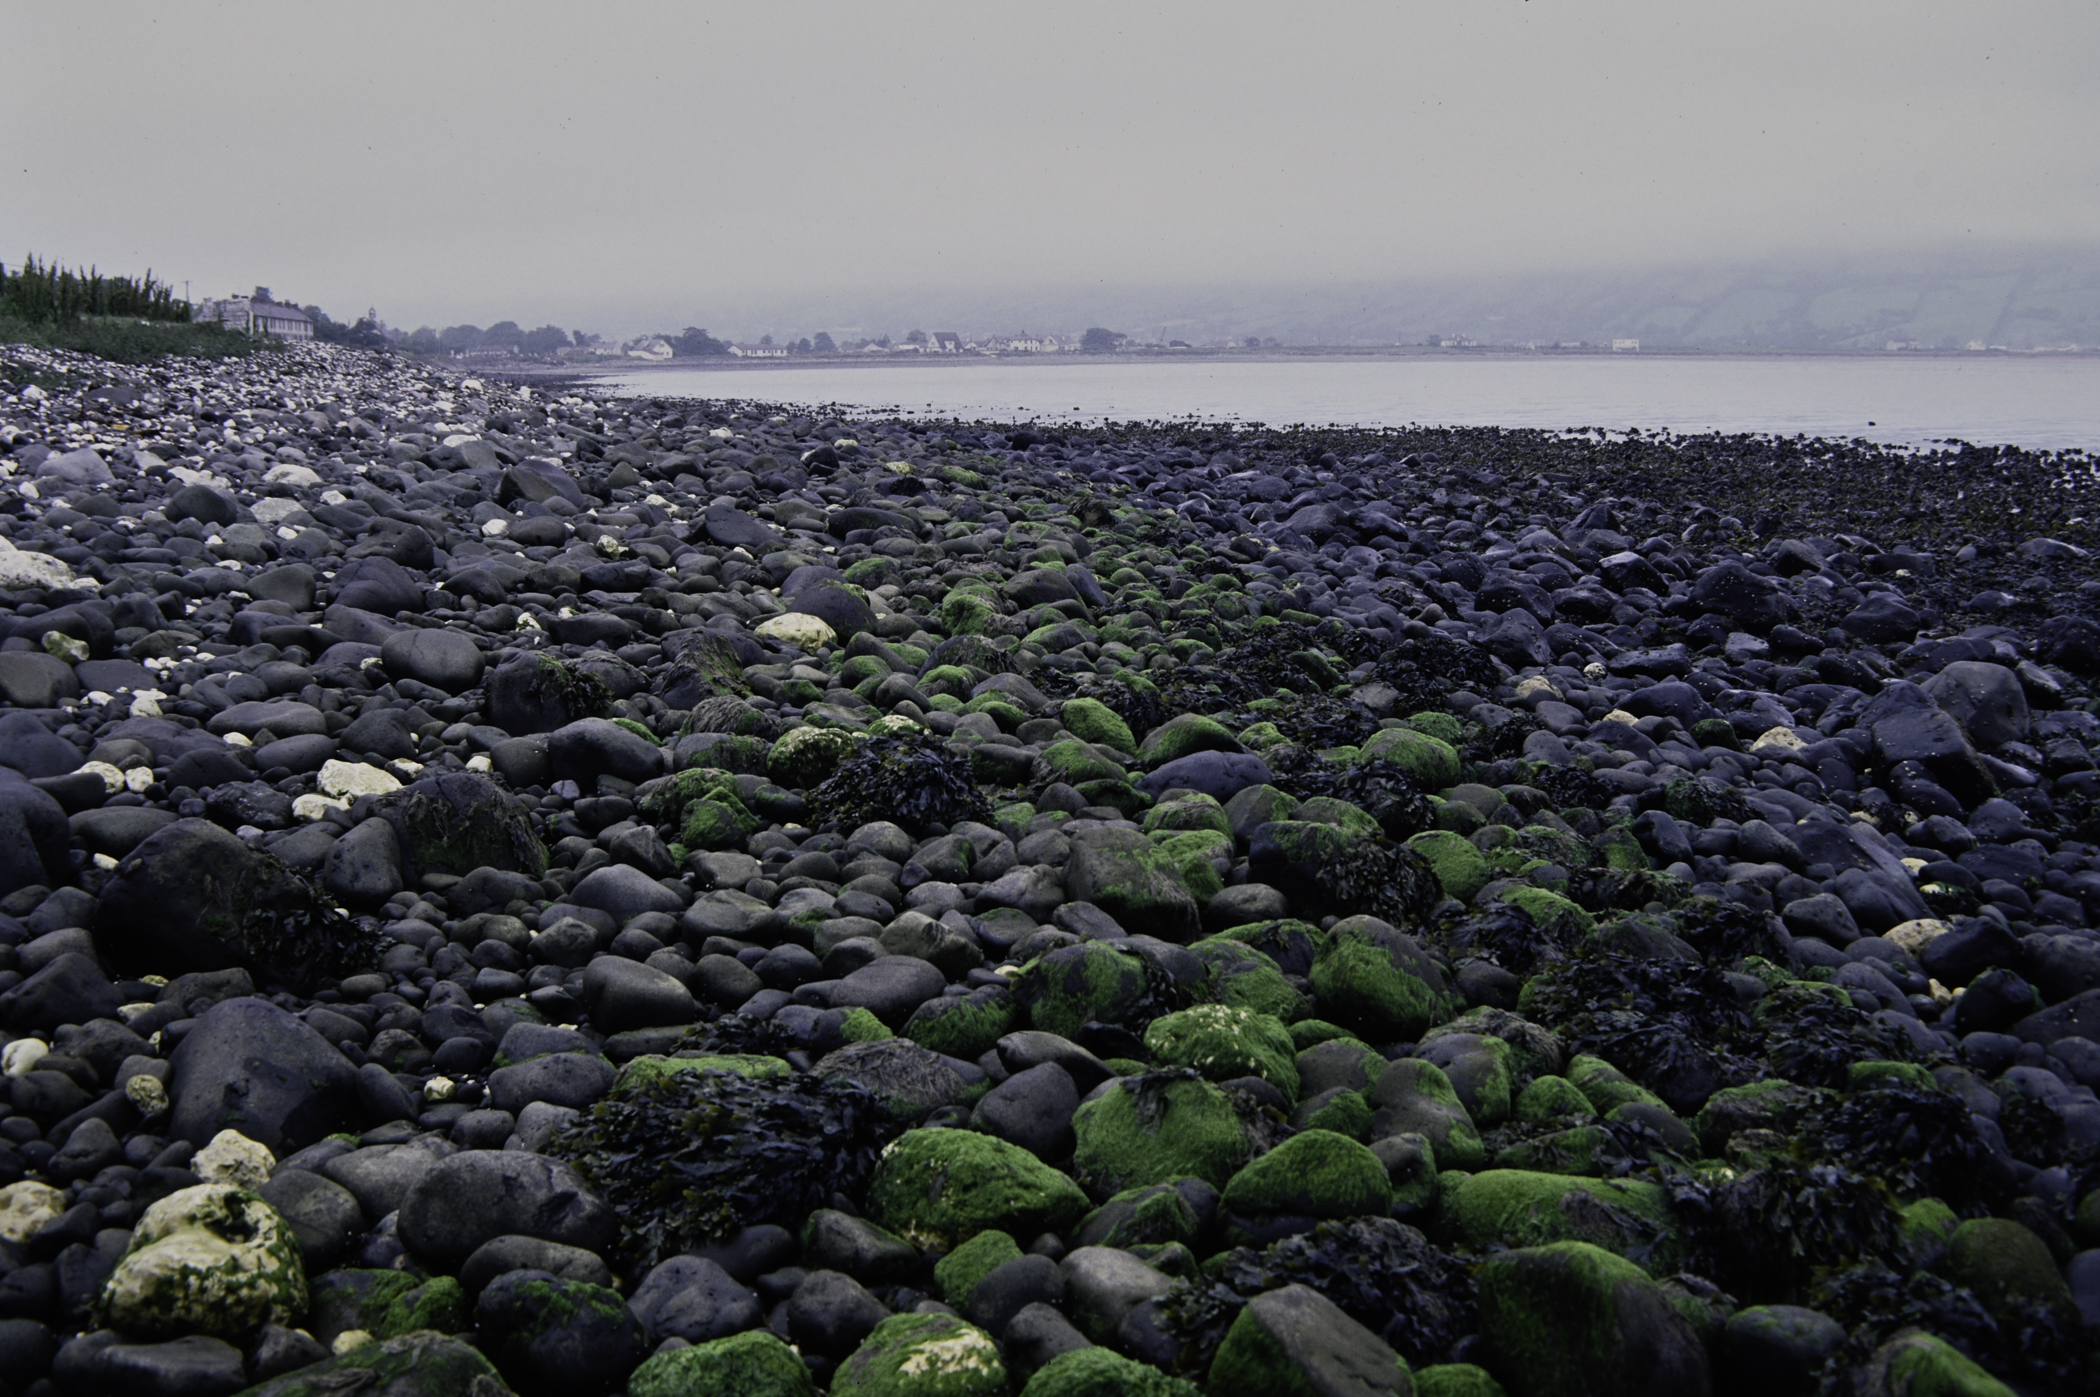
139 777
274 510
148 1095
311 807
112 779
23 570
1915 935
210 1259
808 632
495 528
1537 686
21 1056
480 762
26 1208
290 473
353 779
1778 740
233 1158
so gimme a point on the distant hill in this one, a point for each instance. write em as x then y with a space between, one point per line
2018 299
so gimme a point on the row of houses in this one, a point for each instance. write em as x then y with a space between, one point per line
656 349
259 314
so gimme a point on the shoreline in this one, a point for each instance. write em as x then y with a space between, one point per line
1251 857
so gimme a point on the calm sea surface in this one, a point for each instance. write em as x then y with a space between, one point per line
2039 403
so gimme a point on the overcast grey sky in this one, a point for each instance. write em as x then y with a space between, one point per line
613 166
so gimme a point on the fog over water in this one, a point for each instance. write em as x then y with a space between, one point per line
644 167
2044 403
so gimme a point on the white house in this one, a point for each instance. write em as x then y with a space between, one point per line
259 315
656 349
759 351
1625 346
947 342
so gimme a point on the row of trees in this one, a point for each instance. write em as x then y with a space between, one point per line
44 293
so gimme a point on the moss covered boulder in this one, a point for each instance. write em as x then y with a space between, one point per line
1091 720
1459 864
963 1026
2008 1266
754 1364
1431 761
1519 1207
1150 1129
1133 880
1183 736
209 1259
1222 1042
1295 1342
384 1304
923 1355
1075 985
1918 1364
421 1364
1415 1097
1248 979
1100 1372
1457 1380
1552 1099
1378 982
805 757
939 1188
958 1273
1316 1174
1573 1320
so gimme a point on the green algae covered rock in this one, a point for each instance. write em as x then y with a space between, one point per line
1413 1096
923 1355
963 1026
1100 1372
938 1188
1457 1380
208 1259
960 1270
1316 1173
1520 1207
421 1364
751 1364
1918 1364
804 757
1551 911
1246 978
1183 736
1605 1085
1431 761
1573 1320
1164 1125
1378 982
1222 1042
1459 864
1150 1215
2006 1264
655 1067
1139 883
1189 812
384 1304
1091 720
1074 985
1552 1098
1295 1342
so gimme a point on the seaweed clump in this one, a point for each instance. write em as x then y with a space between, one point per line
1426 669
1671 1025
1381 1272
910 779
2023 1340
1384 790
691 1157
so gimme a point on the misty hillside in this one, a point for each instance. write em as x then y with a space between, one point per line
2018 300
